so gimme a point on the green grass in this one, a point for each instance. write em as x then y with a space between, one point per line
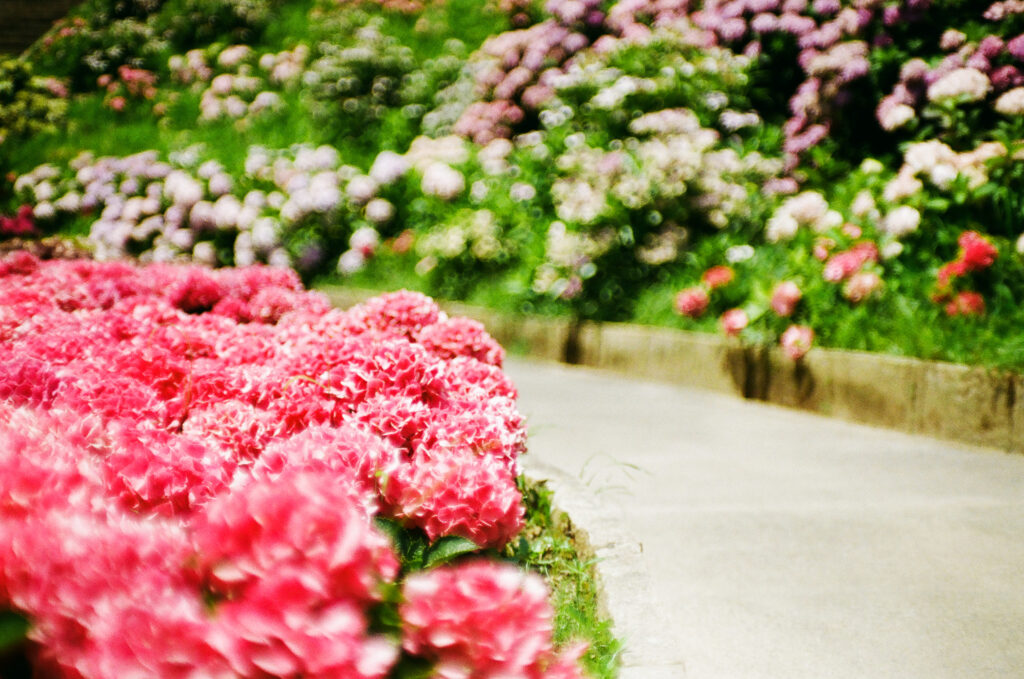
549 546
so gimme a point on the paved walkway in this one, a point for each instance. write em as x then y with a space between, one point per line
740 540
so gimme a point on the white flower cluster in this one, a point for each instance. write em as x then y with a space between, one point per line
164 211
806 209
475 231
244 85
961 84
666 121
433 159
901 221
157 210
940 165
1011 102
569 260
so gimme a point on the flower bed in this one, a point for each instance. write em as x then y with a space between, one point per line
200 472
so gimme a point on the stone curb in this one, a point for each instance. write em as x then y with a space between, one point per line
626 594
967 404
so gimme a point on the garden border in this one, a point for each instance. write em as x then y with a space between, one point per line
626 593
967 404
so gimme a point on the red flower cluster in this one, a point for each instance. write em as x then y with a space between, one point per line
189 461
717 276
693 301
976 254
20 224
966 304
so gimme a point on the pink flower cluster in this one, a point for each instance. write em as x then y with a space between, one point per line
841 266
519 69
136 83
495 621
189 461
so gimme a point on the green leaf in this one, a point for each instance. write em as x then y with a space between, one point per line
13 629
392 529
447 548
409 667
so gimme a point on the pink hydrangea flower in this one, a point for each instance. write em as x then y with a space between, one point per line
457 492
453 337
796 341
842 265
785 297
446 621
733 322
862 285
236 434
692 302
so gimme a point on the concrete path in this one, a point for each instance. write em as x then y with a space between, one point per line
739 540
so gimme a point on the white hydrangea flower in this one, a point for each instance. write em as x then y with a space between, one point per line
894 117
1011 102
901 221
443 181
204 253
379 211
962 84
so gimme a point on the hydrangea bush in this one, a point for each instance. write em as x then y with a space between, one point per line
589 158
201 471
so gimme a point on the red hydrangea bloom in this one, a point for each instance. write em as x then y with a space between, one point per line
25 380
949 271
154 452
343 451
88 582
303 526
20 224
40 469
497 430
233 426
274 632
18 262
482 620
195 291
467 377
976 252
154 471
966 304
692 302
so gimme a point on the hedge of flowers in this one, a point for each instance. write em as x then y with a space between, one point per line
592 158
201 471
